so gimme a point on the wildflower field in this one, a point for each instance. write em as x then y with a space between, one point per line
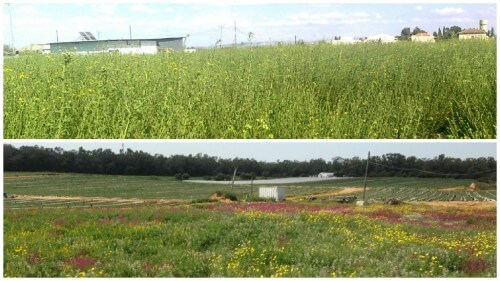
261 239
403 90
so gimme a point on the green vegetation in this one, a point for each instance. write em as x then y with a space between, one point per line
168 188
442 90
255 239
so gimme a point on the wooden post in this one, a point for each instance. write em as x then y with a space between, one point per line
251 186
366 174
234 175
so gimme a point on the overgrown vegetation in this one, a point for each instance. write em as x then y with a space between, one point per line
251 240
403 90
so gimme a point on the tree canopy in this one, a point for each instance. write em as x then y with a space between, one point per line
129 162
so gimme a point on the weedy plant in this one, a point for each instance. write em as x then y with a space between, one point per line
251 240
403 90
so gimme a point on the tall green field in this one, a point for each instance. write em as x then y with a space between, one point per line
402 90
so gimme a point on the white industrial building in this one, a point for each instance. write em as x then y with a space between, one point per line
277 193
90 45
326 175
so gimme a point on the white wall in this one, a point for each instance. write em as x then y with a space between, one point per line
149 47
278 193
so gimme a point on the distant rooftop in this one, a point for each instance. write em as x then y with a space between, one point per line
472 31
115 40
422 34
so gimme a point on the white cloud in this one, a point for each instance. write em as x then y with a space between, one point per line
25 10
142 9
107 9
449 11
378 16
419 8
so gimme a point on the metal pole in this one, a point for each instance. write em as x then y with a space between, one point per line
235 33
234 175
130 31
57 36
366 174
11 31
220 38
251 186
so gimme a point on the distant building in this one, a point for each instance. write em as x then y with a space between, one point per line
122 46
381 38
475 33
345 40
37 48
326 175
422 37
472 33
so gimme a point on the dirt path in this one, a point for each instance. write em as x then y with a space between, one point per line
100 199
460 188
341 191
34 176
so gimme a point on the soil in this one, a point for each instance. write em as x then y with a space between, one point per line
345 190
221 199
33 176
459 188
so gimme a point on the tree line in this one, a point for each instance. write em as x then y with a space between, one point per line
129 162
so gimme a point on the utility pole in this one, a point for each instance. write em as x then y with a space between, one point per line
235 34
251 185
11 31
130 31
366 174
220 38
234 175
57 35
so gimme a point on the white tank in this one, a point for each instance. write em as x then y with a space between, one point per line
483 25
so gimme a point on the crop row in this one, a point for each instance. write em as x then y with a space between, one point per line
426 194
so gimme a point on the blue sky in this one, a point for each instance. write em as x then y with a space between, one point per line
35 22
271 151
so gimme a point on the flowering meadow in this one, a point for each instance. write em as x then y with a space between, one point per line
260 239
402 90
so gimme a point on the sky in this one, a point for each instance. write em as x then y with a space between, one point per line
271 151
206 21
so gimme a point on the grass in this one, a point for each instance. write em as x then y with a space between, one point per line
403 90
251 240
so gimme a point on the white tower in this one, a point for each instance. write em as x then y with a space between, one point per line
483 25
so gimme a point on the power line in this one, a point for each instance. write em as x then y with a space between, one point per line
433 173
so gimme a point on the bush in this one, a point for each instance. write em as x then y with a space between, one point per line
181 176
227 195
207 178
220 177
178 176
